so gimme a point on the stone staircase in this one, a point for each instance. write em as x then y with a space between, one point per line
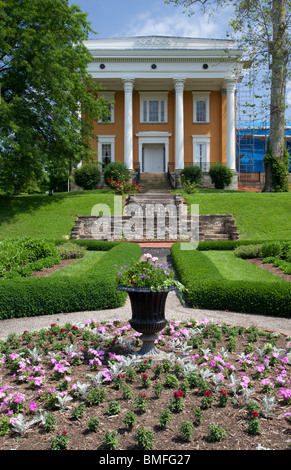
154 182
156 216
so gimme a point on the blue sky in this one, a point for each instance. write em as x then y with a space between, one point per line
119 18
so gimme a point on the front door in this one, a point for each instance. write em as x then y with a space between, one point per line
154 158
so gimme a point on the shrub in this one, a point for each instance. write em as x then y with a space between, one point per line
189 187
191 174
216 433
186 430
116 171
70 250
248 251
145 438
271 249
18 252
221 175
123 187
88 176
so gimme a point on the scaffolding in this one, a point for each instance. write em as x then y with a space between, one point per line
252 136
245 123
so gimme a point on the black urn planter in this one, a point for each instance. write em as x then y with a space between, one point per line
148 316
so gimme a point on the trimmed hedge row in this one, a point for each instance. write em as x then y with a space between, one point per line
208 289
90 245
231 244
46 296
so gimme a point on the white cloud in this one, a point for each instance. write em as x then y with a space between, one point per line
177 24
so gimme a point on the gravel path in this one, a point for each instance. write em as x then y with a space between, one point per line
174 310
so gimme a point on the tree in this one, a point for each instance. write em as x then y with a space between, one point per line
45 88
262 29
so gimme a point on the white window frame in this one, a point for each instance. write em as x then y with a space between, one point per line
106 139
154 96
204 140
201 96
109 96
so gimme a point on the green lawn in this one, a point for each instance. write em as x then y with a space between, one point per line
261 216
264 216
236 269
48 216
82 266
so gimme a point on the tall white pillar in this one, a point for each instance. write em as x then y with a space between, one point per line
179 126
230 132
128 135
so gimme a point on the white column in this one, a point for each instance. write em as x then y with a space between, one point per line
128 152
230 135
179 130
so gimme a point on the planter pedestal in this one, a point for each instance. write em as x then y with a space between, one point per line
148 318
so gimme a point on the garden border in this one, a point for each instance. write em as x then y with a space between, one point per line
206 289
45 296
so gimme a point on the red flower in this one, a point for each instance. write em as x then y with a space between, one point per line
144 395
178 394
254 414
64 433
207 393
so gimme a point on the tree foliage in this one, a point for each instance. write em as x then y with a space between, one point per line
262 30
44 90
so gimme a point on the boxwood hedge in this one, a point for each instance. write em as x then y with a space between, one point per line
46 296
208 289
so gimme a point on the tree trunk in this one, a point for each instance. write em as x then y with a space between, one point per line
278 85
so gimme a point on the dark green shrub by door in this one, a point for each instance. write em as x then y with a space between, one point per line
192 174
87 177
221 175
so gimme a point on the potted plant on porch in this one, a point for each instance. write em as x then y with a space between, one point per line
148 284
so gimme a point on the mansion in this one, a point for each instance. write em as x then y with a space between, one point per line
172 101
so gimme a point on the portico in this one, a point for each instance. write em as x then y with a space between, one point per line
173 100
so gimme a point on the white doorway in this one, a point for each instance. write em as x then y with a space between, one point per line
153 158
153 151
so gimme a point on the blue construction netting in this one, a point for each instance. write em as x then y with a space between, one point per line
251 146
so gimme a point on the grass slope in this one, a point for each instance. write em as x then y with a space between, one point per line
48 216
264 216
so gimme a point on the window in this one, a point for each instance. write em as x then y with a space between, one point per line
201 151
200 107
153 107
106 149
109 96
106 154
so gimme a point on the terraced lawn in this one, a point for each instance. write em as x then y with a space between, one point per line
81 266
237 269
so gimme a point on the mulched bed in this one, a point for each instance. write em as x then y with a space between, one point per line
233 418
52 269
269 267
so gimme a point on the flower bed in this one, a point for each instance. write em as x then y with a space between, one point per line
77 387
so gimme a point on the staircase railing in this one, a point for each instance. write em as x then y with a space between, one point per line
171 178
136 176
